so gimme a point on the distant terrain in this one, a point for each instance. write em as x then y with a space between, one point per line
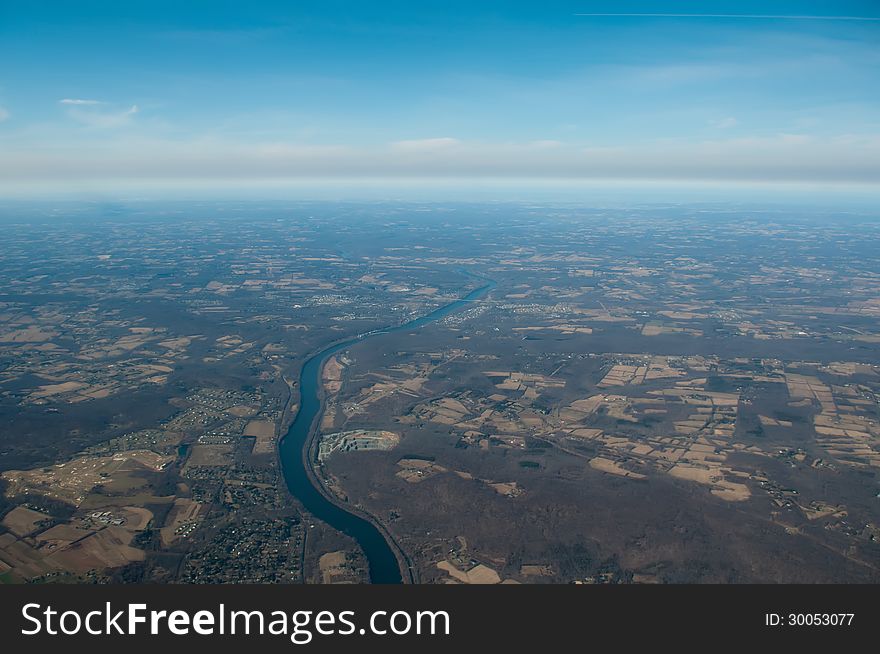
650 394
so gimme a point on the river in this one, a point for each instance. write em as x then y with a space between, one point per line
294 456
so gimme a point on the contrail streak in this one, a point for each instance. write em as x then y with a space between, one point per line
752 16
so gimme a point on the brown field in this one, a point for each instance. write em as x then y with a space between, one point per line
721 487
98 501
108 548
22 521
260 428
510 489
32 334
480 574
23 560
607 465
47 390
210 455
416 470
332 567
137 518
184 511
73 480
62 535
242 411
264 432
332 375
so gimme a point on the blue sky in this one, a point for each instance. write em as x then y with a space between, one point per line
220 92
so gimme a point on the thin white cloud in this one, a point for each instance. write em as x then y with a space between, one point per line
78 101
101 118
4 114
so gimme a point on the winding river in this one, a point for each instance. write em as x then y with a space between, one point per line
294 452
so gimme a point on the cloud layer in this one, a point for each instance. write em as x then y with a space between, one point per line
781 157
